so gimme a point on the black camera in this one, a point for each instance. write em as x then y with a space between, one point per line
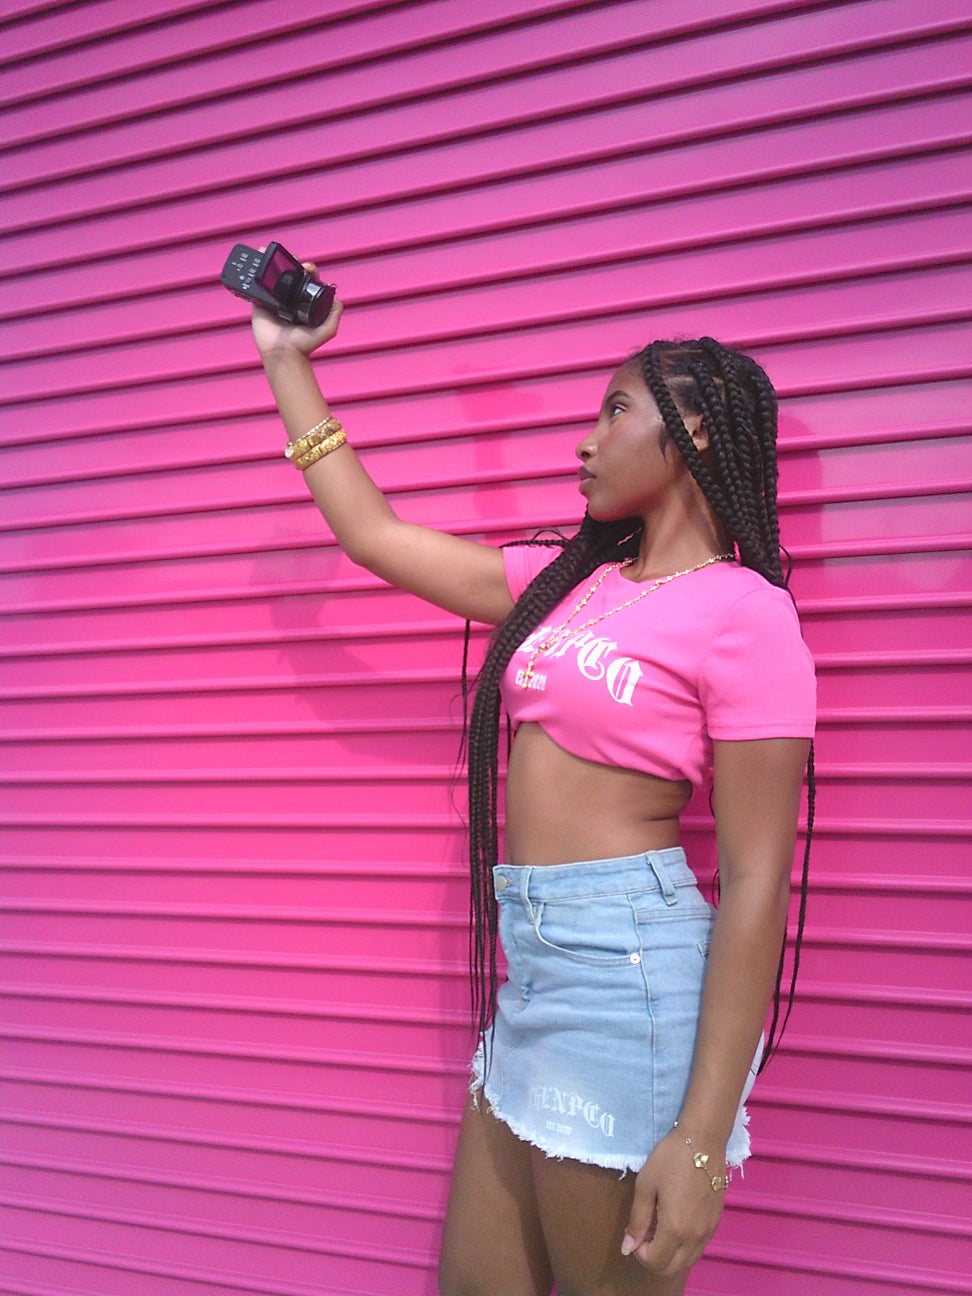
278 281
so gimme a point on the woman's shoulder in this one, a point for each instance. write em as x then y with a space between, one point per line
752 618
757 676
525 559
739 614
733 590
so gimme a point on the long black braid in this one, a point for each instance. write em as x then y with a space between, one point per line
738 477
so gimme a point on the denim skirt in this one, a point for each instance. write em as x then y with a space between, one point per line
592 1044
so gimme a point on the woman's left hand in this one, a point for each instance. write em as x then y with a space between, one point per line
274 336
675 1210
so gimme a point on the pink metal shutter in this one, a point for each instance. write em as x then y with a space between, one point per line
233 1039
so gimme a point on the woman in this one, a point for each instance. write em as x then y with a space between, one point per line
655 651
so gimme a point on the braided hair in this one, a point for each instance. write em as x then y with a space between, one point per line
738 477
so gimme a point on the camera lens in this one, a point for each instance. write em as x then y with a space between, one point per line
314 305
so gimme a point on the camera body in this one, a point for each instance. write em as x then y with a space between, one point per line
279 282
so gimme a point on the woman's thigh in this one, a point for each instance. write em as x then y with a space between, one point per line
518 1220
583 1212
492 1244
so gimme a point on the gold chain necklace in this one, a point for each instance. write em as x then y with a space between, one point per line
559 633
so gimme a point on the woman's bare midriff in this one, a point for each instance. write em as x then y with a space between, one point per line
561 808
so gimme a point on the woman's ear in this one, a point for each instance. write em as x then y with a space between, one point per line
699 434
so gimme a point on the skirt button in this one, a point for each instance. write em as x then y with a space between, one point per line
635 958
502 883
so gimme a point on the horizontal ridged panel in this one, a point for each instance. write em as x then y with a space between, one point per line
232 953
415 121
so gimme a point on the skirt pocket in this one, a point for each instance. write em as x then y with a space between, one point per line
598 932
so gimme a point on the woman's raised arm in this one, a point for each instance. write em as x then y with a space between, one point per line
459 575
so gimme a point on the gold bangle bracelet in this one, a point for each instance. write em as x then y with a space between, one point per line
325 447
318 433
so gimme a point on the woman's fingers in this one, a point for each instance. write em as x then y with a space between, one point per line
642 1221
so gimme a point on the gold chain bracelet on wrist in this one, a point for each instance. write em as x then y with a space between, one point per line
718 1183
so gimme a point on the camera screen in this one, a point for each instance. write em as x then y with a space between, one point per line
281 275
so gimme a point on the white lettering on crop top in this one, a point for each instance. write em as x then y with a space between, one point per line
595 660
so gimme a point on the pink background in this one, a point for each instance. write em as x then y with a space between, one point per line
233 1039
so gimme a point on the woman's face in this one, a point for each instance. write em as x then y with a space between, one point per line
628 464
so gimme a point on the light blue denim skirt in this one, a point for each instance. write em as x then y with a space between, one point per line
595 1027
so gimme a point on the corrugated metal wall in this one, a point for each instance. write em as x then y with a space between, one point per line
233 1038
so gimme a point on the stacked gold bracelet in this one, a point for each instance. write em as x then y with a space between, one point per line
718 1183
323 437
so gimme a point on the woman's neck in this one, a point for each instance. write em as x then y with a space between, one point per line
666 550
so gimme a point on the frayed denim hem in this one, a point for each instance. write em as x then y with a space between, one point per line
737 1153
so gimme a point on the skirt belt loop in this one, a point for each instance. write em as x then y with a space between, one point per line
526 873
661 876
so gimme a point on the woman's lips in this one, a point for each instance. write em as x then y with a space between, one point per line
583 477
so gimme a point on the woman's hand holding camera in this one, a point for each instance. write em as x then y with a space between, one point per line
276 337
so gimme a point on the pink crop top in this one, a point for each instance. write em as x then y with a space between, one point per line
715 654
